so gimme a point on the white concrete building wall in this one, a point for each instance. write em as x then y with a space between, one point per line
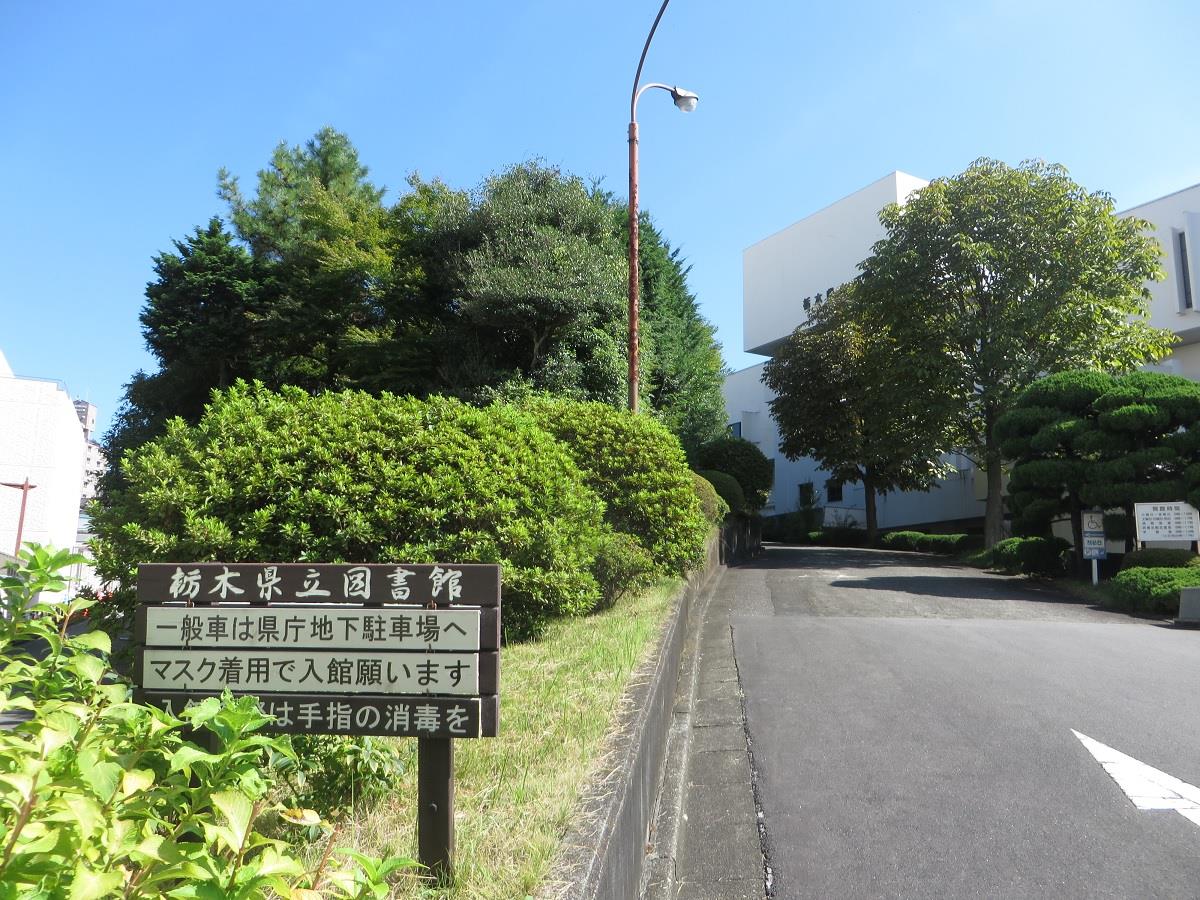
1176 217
40 438
815 255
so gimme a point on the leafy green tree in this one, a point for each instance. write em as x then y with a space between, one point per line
1052 438
682 371
843 396
322 224
199 322
1147 443
1003 275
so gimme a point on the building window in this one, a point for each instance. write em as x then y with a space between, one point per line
833 491
735 429
806 495
1185 275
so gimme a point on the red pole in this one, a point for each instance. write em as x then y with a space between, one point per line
25 487
634 280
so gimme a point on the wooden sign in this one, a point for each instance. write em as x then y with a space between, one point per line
443 584
424 717
401 649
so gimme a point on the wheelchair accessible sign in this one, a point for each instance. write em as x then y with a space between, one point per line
1094 546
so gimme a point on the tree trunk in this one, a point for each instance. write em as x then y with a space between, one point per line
993 517
872 524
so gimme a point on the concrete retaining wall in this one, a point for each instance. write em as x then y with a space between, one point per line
604 853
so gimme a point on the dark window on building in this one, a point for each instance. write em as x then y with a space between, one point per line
833 491
806 494
1185 275
735 429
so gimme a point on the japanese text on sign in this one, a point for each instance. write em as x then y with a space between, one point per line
332 627
370 584
311 671
1175 521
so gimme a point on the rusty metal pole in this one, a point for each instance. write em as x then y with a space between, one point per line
24 488
634 276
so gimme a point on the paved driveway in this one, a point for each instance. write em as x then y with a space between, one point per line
912 722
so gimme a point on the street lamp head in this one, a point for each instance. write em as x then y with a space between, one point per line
684 99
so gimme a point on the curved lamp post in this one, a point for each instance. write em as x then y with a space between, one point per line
686 101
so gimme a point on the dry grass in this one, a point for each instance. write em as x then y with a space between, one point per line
515 794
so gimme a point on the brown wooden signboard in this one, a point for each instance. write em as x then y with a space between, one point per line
400 649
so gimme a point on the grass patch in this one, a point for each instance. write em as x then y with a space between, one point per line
515 794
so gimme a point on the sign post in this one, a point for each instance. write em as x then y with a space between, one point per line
402 649
1095 547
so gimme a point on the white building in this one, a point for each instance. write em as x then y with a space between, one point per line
785 273
1175 302
40 440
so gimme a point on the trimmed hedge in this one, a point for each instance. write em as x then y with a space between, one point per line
1160 558
754 471
638 469
1030 555
727 489
715 509
350 477
919 541
1152 590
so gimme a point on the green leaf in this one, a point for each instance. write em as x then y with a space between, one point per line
93 640
89 885
136 780
238 811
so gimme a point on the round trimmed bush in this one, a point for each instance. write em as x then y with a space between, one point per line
347 477
1160 558
1030 555
744 461
1152 590
727 488
638 469
715 509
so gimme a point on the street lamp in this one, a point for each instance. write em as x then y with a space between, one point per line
686 101
24 488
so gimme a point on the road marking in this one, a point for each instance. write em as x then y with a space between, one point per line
1145 786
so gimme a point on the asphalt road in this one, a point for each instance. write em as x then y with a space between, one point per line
911 726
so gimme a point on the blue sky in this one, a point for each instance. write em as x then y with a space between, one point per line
116 117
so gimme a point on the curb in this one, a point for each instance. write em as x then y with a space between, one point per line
604 853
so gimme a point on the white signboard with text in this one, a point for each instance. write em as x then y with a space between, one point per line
1167 521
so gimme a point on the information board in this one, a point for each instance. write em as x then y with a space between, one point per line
1168 521
403 649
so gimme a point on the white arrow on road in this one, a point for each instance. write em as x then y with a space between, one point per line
1146 786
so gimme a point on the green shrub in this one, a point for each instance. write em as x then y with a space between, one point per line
102 797
902 540
711 503
1160 558
942 543
349 477
334 774
1152 590
744 461
622 565
1030 555
638 469
727 489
